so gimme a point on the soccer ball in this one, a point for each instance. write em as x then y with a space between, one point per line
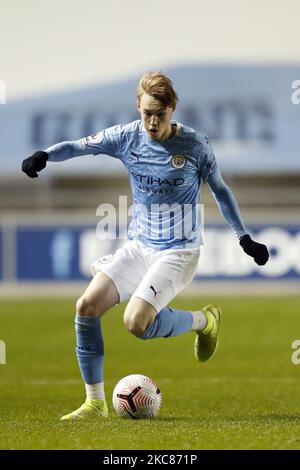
136 396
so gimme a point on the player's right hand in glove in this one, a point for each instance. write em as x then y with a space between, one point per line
258 251
34 163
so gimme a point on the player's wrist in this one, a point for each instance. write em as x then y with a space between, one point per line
245 238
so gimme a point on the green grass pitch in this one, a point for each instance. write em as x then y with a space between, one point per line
246 397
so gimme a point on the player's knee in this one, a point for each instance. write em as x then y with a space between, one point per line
85 307
135 323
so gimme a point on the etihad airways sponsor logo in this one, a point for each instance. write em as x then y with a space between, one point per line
156 181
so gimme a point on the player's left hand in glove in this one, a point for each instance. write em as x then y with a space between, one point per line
258 251
34 163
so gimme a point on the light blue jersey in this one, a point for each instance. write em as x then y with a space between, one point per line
165 179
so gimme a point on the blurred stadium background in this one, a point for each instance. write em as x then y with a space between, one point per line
70 69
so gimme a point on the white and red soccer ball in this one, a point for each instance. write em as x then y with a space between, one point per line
136 396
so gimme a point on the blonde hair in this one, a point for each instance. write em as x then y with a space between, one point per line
159 87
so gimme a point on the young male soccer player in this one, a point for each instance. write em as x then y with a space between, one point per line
166 162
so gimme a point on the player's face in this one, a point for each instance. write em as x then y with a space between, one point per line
156 117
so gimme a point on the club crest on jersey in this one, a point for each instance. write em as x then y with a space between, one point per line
178 161
106 259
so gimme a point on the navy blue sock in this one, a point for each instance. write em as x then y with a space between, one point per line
169 322
90 348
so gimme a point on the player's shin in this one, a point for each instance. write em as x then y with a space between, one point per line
90 354
169 322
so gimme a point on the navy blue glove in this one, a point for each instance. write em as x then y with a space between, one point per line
34 163
256 250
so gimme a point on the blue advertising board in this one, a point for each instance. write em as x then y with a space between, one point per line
64 253
223 259
48 253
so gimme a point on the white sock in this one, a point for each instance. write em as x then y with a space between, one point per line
199 322
95 391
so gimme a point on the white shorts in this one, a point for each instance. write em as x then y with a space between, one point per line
153 275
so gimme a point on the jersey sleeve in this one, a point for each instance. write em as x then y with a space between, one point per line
107 141
65 150
208 160
226 203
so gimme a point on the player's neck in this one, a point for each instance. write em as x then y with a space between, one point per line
170 132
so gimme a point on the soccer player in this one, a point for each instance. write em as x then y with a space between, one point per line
166 162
